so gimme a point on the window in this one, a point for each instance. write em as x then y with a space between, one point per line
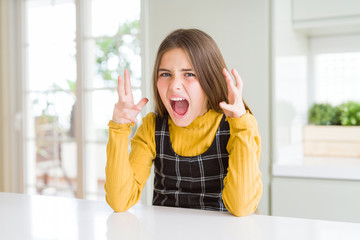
336 71
70 89
325 69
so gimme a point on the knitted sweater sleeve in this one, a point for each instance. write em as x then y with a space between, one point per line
242 185
126 174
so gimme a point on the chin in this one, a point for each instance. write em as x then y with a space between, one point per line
181 121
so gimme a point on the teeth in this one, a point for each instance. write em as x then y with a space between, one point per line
177 99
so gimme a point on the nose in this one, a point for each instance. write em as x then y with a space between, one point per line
176 82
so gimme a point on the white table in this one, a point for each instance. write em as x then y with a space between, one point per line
40 217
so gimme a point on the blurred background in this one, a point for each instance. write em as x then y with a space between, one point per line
299 60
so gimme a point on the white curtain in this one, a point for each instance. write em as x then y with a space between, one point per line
9 165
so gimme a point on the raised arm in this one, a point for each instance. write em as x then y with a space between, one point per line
242 185
123 181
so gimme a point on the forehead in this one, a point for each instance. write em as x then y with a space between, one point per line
175 57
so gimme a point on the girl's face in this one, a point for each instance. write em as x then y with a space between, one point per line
179 88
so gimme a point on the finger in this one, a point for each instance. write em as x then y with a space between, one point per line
238 80
142 103
127 82
120 88
226 107
229 81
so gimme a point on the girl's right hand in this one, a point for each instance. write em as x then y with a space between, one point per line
125 111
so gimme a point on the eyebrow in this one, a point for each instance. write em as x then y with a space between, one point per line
182 70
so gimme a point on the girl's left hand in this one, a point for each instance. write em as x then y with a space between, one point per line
235 108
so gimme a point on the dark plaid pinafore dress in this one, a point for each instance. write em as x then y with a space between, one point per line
190 182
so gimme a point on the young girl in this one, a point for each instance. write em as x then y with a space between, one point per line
202 138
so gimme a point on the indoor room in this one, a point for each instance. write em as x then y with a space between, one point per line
297 67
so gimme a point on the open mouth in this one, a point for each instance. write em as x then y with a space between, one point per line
179 105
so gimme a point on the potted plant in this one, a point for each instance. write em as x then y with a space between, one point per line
333 131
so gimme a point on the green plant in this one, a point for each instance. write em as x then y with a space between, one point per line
323 114
350 113
115 49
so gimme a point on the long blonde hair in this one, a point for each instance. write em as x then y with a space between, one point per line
207 61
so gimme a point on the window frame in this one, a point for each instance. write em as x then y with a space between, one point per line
15 170
328 44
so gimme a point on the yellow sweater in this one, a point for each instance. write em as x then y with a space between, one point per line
126 174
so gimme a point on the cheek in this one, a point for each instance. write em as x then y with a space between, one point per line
159 86
162 88
197 91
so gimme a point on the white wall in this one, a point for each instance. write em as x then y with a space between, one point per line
290 88
241 30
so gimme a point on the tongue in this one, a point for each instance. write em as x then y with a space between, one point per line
180 107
